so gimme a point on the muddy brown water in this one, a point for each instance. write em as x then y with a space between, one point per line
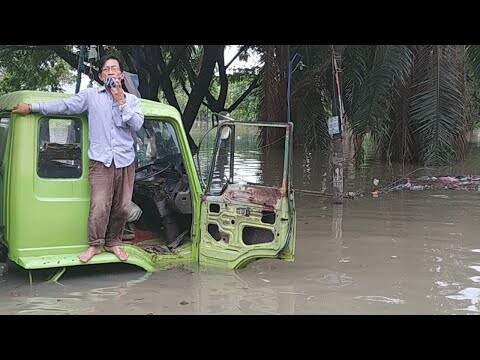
401 253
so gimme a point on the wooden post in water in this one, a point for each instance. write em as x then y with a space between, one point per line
337 112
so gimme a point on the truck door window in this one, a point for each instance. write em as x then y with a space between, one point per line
4 123
156 140
221 170
256 159
60 148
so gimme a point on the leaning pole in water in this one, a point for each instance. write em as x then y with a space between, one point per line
336 124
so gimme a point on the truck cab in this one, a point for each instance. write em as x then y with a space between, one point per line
185 208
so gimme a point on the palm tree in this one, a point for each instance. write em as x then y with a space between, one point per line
273 90
414 102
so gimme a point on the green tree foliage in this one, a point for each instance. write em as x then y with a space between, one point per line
239 83
35 70
164 71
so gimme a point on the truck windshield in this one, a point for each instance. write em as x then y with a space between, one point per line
155 140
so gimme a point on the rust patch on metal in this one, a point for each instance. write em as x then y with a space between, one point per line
263 196
225 237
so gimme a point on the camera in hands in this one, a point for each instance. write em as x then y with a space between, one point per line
110 82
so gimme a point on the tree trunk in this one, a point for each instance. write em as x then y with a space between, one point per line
273 106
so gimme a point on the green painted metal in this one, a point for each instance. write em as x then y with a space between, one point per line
4 179
56 275
137 256
44 220
230 251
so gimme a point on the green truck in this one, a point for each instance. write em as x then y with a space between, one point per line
184 210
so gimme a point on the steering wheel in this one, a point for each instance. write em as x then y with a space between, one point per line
151 174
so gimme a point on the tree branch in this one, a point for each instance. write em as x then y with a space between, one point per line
72 59
201 86
243 48
66 55
210 100
166 81
175 58
255 84
126 51
222 97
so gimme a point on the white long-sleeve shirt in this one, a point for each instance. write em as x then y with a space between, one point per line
109 127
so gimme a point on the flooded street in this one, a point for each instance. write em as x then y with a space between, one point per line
406 252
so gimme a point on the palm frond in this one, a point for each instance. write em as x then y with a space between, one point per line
315 130
354 72
370 111
473 58
401 144
437 107
310 101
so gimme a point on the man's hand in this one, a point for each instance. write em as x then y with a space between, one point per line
117 92
22 108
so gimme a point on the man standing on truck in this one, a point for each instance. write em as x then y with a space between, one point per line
112 115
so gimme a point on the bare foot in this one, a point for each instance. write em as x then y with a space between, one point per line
122 255
88 254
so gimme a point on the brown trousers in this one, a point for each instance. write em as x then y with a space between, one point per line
110 196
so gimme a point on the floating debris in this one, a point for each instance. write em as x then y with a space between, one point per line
461 182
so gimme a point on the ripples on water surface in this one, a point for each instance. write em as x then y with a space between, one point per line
401 253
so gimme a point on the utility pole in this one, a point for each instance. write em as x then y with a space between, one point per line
300 65
80 68
336 124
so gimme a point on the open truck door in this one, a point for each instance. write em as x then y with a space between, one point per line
247 214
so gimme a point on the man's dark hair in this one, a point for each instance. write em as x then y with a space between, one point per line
104 59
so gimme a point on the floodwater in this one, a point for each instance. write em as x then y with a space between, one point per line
410 252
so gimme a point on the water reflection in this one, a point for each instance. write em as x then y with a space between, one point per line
401 253
24 300
54 306
243 292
